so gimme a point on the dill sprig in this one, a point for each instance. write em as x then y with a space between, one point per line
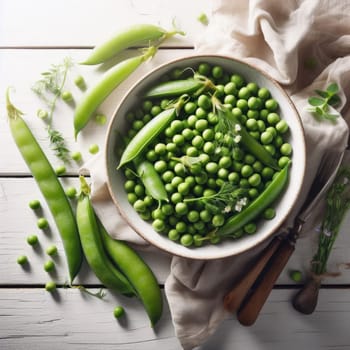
337 203
228 199
49 89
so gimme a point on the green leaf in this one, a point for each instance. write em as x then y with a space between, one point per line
335 99
322 93
331 116
333 88
316 101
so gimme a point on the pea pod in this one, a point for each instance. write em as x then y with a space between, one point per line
255 208
151 180
150 131
92 245
138 273
109 81
133 36
50 187
248 141
174 88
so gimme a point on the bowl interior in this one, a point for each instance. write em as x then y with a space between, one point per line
283 205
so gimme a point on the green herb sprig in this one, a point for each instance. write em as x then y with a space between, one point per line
228 199
337 204
320 105
49 88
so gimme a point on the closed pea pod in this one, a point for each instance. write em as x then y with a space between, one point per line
138 273
50 187
149 132
135 35
195 85
109 81
255 208
151 179
92 245
175 88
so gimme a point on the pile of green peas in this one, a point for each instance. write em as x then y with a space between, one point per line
194 157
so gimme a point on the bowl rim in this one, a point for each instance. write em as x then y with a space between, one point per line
258 241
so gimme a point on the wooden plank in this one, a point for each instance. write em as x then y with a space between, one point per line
15 193
11 72
34 319
80 23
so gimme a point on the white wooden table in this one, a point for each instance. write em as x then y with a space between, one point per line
33 35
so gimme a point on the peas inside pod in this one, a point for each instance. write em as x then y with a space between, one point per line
218 148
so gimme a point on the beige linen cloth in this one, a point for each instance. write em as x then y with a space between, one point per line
304 45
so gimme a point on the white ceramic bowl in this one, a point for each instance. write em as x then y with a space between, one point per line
284 204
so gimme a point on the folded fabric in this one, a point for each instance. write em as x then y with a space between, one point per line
304 45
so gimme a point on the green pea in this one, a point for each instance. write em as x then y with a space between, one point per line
42 223
181 208
67 96
32 239
100 119
238 80
160 166
176 197
282 126
42 113
79 81
49 266
296 275
94 148
132 198
204 69
283 161
204 102
155 110
184 188
193 216
286 149
186 240
139 205
247 170
51 250
60 170
271 105
242 104
76 156
250 228
218 220
217 72
244 93
71 192
266 137
158 225
264 93
181 226
254 103
118 311
50 286
22 260
253 88
173 235
254 180
34 204
273 118
269 213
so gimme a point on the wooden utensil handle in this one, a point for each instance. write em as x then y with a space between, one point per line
234 298
250 310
